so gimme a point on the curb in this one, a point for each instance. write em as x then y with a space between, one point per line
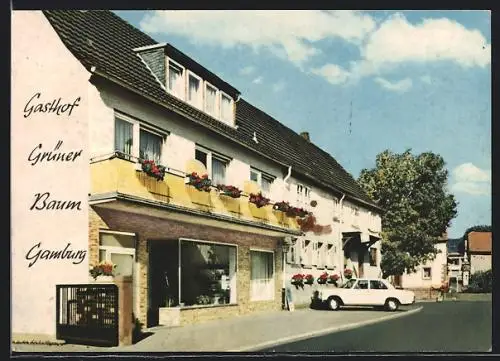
323 332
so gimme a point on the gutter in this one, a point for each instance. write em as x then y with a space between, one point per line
114 196
112 79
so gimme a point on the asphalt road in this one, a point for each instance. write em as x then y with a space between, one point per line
462 326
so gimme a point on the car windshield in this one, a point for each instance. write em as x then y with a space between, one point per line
349 283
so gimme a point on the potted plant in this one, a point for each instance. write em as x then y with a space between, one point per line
298 279
152 169
103 271
202 183
333 279
258 199
348 273
309 279
230 191
323 278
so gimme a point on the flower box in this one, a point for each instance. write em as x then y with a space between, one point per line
102 269
348 273
152 169
309 279
282 206
258 199
202 183
230 191
323 278
333 279
298 279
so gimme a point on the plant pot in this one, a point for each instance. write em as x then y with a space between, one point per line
103 279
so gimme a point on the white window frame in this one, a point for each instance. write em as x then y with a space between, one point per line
331 251
229 121
118 250
262 175
321 254
303 195
306 249
273 279
424 277
201 99
137 126
216 113
183 79
210 154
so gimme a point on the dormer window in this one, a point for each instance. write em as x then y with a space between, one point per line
176 79
226 113
195 91
211 100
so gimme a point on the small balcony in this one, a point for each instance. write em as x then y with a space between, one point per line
113 174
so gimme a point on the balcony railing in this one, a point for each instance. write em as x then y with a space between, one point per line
123 175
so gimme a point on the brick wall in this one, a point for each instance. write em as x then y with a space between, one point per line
149 227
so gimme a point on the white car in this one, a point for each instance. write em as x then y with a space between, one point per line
365 292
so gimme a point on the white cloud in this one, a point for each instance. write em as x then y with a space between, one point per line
247 70
398 86
426 79
279 86
289 34
472 180
257 80
397 40
333 73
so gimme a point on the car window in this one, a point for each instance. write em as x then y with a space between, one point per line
361 285
377 285
349 283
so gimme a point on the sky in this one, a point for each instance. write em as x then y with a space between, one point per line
358 82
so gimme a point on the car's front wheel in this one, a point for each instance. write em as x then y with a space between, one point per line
334 303
391 304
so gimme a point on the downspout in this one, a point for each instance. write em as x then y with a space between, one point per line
340 237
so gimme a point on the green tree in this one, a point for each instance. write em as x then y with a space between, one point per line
418 208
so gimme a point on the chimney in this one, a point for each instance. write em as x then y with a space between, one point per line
305 135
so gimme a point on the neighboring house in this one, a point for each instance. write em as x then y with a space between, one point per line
455 258
187 249
432 273
479 251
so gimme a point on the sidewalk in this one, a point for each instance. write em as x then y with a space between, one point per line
244 333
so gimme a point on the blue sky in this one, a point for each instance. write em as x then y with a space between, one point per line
358 82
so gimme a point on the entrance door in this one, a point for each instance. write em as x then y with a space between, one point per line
163 277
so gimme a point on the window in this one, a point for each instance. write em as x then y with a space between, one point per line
150 145
208 273
306 252
373 257
292 254
211 100
262 179
426 273
195 91
118 248
226 113
320 249
377 285
216 164
361 285
331 252
123 136
314 254
176 79
261 275
303 196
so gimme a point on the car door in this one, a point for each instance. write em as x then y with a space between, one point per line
360 294
378 292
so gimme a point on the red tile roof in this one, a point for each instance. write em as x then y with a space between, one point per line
479 242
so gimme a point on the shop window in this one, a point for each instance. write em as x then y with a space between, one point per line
261 275
119 249
208 273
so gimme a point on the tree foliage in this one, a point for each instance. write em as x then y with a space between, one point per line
412 189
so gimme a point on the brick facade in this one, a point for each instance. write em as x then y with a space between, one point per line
158 229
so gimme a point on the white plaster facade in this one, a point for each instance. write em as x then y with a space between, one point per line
438 271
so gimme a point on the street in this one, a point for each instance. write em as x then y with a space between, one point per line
463 326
